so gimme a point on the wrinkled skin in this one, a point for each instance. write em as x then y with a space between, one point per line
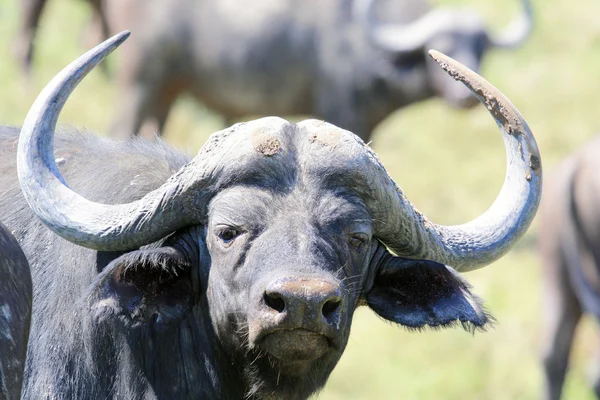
569 243
15 314
257 301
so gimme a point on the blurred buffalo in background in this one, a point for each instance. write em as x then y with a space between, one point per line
350 62
15 313
569 242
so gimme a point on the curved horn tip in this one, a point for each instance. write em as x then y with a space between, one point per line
503 111
477 243
463 74
118 39
107 46
455 69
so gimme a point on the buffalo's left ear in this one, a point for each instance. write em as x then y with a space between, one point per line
417 293
149 288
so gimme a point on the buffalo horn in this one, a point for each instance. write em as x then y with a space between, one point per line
407 232
101 226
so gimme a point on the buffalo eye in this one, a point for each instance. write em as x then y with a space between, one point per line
357 240
227 234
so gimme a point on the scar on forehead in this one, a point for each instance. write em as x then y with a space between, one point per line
267 145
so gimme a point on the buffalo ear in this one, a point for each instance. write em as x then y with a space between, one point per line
143 288
417 293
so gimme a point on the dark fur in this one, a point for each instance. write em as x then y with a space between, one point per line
179 318
15 314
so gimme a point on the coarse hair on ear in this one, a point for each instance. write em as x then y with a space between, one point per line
150 288
418 294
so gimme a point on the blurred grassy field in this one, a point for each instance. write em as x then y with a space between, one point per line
450 164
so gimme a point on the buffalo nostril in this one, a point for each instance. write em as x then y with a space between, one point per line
275 301
331 307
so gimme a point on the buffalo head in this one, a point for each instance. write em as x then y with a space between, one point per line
460 34
275 233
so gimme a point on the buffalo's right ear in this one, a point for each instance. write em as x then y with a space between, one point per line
418 293
143 288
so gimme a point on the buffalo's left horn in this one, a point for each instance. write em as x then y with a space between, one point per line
465 247
415 35
95 225
65 212
181 201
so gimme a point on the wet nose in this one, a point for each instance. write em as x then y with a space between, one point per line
315 300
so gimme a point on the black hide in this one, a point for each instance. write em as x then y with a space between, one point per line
255 302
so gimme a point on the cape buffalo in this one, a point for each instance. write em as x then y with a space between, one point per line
332 59
235 274
569 242
15 312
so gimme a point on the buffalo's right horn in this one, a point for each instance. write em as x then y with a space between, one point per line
407 232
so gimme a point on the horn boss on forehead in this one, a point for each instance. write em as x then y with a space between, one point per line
183 199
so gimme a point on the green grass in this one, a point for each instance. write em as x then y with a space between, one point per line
450 164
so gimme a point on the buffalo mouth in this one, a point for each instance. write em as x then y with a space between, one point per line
296 345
